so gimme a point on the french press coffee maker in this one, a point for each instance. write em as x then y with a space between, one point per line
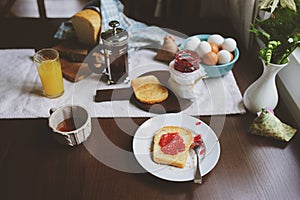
115 47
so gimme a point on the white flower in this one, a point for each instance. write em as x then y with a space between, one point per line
290 40
264 4
288 3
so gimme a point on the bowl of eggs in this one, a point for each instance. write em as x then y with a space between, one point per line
217 54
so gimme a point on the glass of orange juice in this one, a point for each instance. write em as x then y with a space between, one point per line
49 69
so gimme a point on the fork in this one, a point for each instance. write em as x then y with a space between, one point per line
200 154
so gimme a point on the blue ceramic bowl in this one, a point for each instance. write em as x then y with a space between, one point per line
215 70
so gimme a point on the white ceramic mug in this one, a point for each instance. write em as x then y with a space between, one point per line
71 124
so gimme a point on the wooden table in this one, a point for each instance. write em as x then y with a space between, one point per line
34 166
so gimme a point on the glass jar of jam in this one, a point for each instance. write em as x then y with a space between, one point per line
186 61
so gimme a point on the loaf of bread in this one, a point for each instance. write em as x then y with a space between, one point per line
148 89
87 25
171 146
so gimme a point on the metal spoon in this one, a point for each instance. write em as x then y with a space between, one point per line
200 154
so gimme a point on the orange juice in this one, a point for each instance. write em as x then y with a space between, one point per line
51 77
49 69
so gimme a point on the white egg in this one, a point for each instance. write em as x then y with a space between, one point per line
224 57
229 44
203 48
216 38
192 43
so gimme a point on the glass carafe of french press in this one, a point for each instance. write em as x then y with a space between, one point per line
115 43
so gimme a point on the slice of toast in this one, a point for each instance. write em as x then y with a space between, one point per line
148 89
179 159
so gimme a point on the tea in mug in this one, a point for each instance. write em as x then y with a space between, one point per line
70 124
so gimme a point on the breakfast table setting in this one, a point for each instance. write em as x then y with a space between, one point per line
114 148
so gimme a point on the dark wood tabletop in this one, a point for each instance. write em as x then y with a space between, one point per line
34 166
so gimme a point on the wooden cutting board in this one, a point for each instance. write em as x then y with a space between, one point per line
74 71
72 56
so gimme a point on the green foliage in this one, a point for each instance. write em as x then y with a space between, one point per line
280 34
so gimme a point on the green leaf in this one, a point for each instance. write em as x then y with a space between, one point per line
283 26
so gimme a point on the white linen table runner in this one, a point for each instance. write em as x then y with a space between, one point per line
21 90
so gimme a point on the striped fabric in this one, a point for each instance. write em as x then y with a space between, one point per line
114 10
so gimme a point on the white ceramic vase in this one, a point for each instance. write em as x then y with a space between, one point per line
263 92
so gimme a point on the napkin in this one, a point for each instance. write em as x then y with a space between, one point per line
140 34
268 125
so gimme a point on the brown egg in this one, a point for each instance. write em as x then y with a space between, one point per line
214 47
231 56
210 58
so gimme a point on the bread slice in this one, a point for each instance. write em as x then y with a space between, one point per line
148 89
87 25
179 159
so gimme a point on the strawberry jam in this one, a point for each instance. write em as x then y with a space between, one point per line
186 61
198 139
171 143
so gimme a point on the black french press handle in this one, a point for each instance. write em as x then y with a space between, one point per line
114 24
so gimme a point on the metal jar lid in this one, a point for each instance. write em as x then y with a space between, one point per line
115 36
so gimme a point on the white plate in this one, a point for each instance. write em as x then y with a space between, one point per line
142 144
